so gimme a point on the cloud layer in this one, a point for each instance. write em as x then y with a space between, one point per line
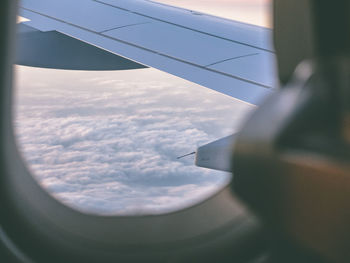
107 142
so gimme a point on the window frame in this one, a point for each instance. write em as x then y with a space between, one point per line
39 226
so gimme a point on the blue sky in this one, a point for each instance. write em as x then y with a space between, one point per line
107 142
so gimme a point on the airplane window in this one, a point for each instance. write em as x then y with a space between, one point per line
108 142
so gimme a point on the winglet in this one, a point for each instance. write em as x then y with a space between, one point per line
216 155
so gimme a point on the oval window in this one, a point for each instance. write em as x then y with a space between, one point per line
116 142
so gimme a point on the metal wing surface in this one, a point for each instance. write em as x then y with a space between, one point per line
233 58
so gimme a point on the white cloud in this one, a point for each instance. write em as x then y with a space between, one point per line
107 142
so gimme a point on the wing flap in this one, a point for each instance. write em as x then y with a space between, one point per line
183 44
237 32
178 49
257 67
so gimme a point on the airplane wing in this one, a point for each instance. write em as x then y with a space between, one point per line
230 57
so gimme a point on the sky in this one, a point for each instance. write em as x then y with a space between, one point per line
107 142
250 11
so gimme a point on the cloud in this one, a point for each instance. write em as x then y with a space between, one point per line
107 142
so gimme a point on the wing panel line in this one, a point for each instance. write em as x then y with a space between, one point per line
221 61
111 29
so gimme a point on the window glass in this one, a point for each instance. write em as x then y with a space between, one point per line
107 142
